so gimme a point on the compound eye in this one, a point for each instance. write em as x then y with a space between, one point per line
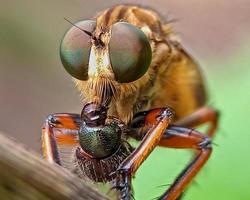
75 49
130 52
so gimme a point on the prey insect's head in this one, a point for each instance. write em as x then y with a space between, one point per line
102 59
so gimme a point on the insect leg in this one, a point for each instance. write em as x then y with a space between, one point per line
201 116
59 129
178 137
157 120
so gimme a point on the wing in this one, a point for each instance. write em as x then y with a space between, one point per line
181 85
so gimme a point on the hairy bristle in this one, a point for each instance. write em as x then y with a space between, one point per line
103 89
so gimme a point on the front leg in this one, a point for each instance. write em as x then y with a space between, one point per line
178 137
57 131
157 121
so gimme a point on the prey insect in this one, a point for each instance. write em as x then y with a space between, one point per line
136 80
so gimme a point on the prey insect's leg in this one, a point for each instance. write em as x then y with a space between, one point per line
201 116
157 120
178 137
59 129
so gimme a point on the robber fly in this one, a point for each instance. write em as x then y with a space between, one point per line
136 80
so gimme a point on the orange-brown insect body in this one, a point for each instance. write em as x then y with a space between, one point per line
129 100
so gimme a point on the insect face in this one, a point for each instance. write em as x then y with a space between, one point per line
104 58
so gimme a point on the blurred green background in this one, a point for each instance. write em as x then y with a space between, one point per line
34 84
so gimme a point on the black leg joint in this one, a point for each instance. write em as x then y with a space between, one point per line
51 120
206 143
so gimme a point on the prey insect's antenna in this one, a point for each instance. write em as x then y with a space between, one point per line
87 32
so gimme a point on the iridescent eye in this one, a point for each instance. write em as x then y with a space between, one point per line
130 52
75 49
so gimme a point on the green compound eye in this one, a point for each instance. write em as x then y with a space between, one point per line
130 52
75 49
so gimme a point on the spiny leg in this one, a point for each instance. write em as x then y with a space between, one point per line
59 129
157 120
199 117
178 137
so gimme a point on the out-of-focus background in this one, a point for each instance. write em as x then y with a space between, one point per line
34 84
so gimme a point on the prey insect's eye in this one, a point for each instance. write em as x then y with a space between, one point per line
130 52
75 49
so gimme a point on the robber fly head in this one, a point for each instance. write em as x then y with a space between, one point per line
105 61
